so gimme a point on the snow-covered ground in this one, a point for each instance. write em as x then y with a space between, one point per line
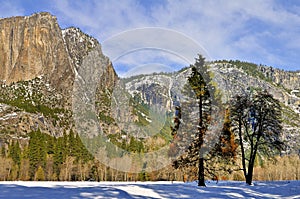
224 189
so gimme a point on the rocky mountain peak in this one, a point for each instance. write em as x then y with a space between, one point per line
35 46
39 64
32 46
288 79
78 44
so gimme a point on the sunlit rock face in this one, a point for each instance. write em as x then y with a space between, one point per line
39 63
33 46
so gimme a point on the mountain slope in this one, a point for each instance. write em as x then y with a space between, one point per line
40 63
231 78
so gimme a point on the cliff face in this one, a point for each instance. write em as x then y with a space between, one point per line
289 80
39 64
33 46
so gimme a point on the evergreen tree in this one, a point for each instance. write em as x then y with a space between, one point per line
3 151
59 155
37 151
199 86
73 144
15 152
40 174
50 144
199 83
81 151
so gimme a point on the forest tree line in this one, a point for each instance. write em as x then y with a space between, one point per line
65 158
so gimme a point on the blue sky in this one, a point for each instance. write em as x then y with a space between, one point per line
260 31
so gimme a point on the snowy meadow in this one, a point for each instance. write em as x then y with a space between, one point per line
222 189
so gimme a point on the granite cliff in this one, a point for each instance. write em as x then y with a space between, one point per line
39 64
33 46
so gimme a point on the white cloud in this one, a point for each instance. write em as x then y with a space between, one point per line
226 29
102 18
146 59
262 31
165 40
222 25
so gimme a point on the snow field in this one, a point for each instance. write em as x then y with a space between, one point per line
76 190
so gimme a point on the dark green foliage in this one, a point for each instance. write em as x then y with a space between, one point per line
143 176
135 145
3 151
28 96
37 151
106 119
17 95
199 79
41 145
77 149
165 130
199 87
29 107
15 152
59 155
139 108
50 145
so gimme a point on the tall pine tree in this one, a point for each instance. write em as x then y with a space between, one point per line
37 151
198 87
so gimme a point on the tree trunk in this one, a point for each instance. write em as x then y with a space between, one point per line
252 160
201 180
242 149
250 174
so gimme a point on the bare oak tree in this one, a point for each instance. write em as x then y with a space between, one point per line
256 119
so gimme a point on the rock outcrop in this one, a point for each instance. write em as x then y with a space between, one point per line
39 64
33 46
288 79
